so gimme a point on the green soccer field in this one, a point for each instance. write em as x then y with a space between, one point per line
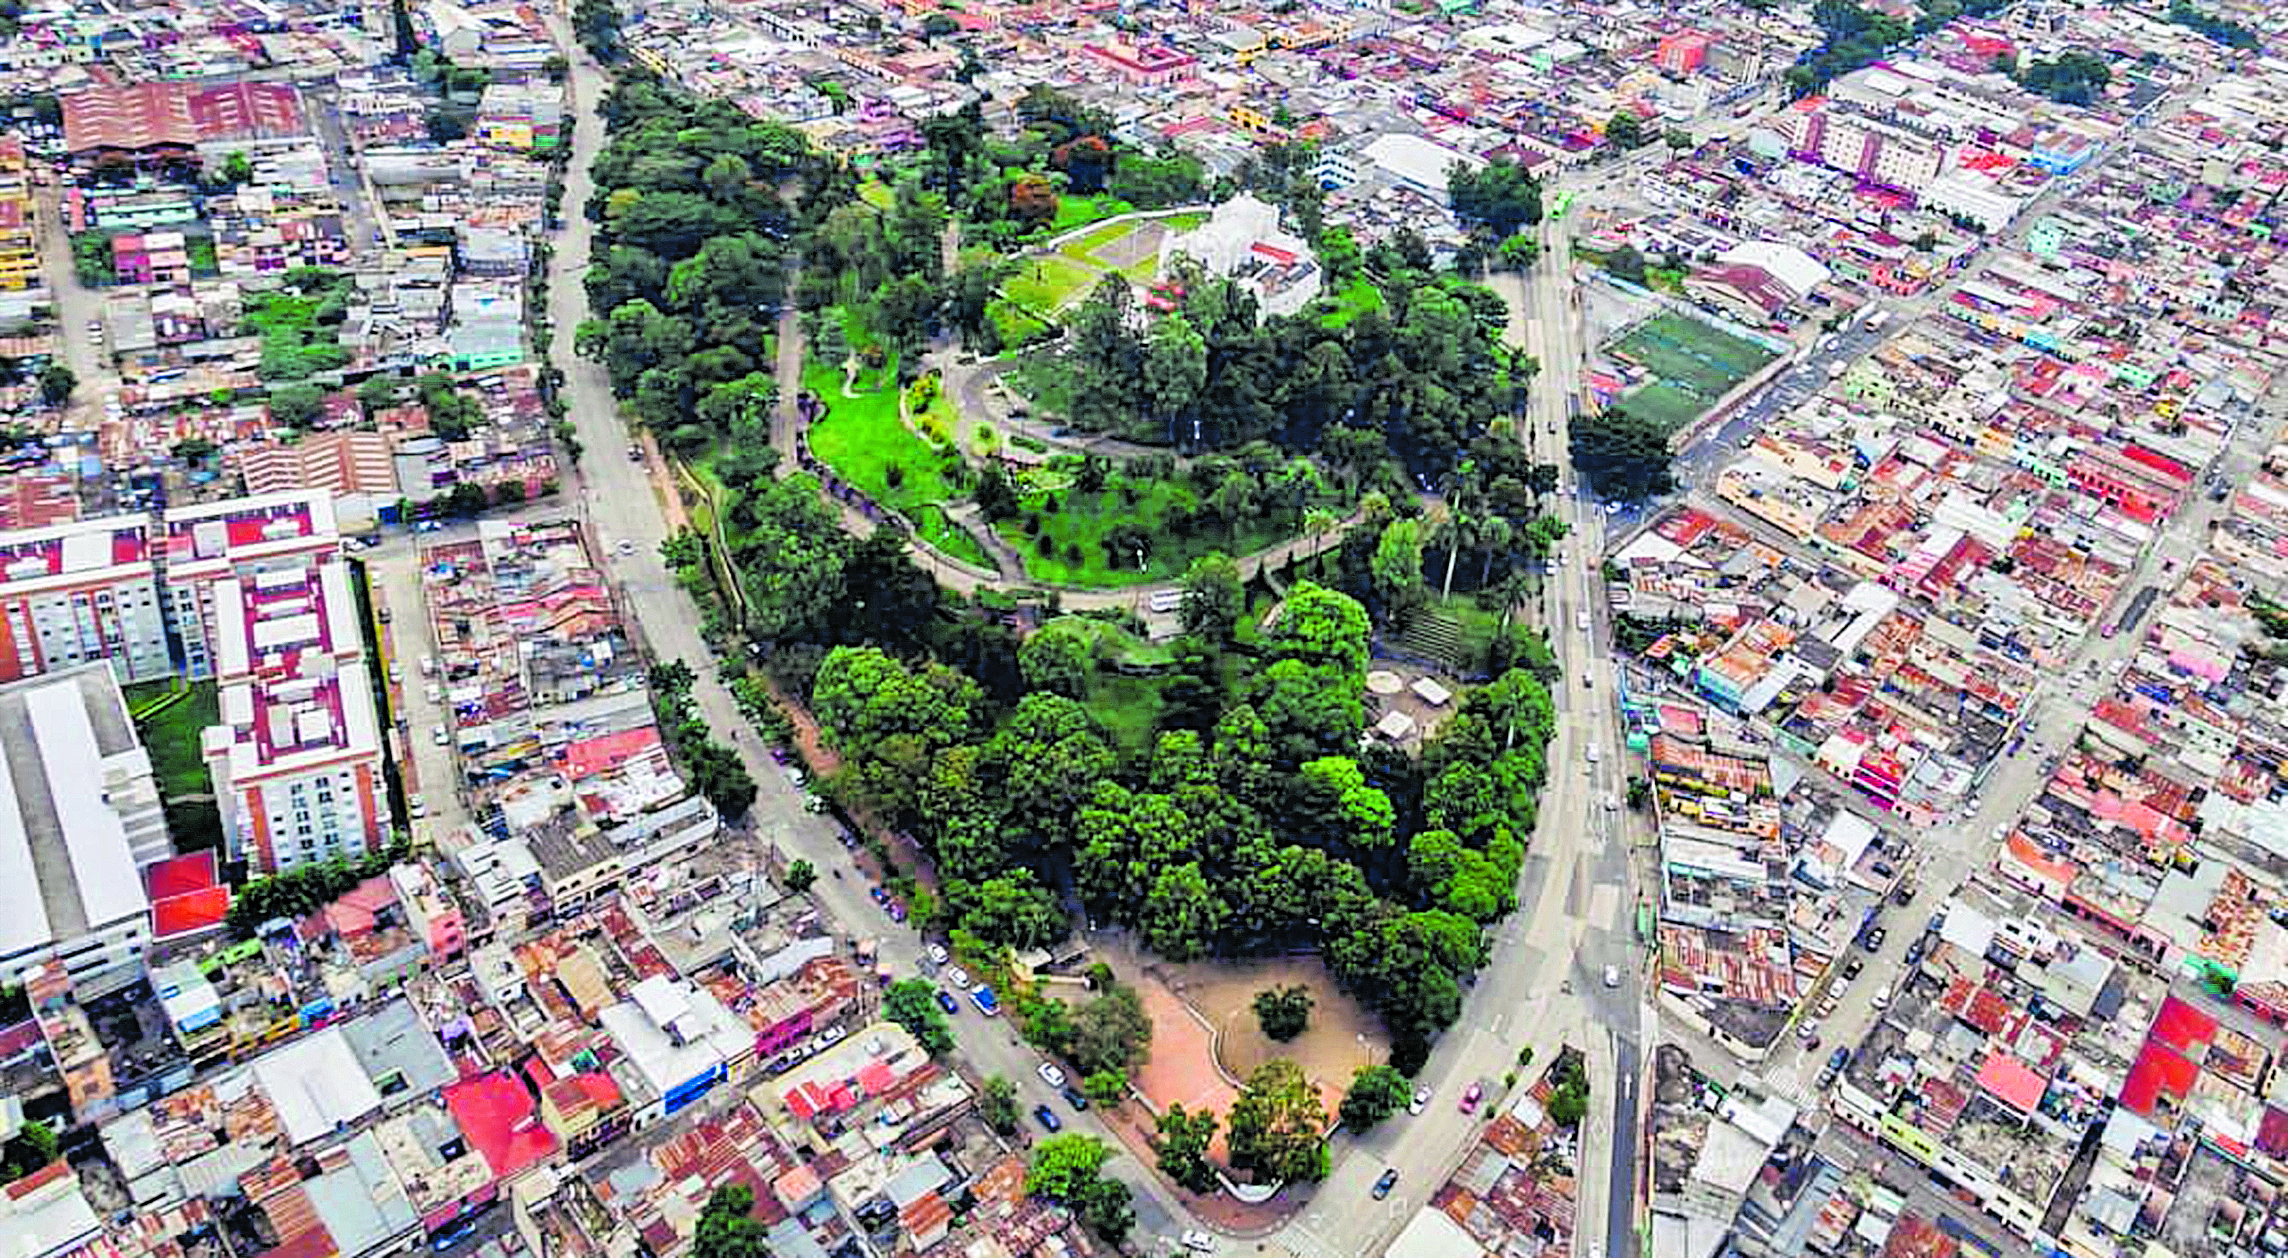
1688 361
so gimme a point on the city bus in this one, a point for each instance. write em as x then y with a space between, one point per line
1557 207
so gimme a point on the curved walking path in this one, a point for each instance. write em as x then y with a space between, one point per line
965 578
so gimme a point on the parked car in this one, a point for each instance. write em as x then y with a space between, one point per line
626 547
1915 953
1199 1242
1852 967
955 975
439 736
1872 941
946 1001
1048 1118
635 454
938 954
416 805
1903 895
1051 1074
1838 1059
1388 1181
987 1003
1882 998
1471 1097
1073 1096
1808 1030
1612 976
1421 1100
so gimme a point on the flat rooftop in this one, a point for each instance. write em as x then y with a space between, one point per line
56 833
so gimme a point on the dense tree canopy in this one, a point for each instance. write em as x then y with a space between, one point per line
1276 1126
1498 196
1209 375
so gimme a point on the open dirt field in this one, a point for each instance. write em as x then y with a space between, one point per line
1194 1065
1341 1038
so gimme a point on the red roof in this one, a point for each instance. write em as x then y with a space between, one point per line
2011 1082
148 115
192 911
2182 1027
498 1116
192 871
2160 1071
606 752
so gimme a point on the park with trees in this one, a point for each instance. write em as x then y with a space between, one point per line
1214 795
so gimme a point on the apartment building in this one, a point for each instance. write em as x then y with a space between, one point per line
1856 144
79 592
296 759
241 537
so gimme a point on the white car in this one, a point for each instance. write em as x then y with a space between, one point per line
416 805
626 547
1882 998
1052 1074
957 976
1199 1242
439 736
1420 1101
938 953
1612 976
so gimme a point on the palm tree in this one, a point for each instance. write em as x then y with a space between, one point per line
1516 586
1460 483
1494 534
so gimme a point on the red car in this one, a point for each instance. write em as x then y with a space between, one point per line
1470 1098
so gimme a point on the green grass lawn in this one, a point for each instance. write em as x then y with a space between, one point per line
1117 646
1351 301
1143 270
171 735
1017 327
1692 354
1082 246
1075 554
862 439
1076 211
932 525
1046 284
1665 404
1043 378
1181 222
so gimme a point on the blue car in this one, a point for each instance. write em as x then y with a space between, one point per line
946 1001
1048 1118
